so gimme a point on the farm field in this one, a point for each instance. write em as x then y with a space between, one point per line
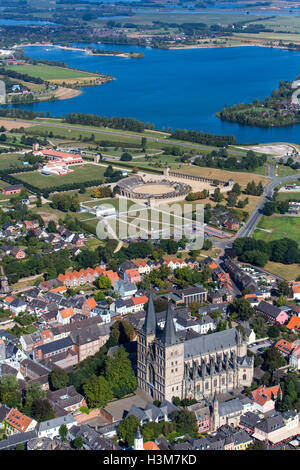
276 227
79 175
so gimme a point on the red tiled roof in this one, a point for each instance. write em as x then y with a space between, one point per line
139 300
67 312
294 323
91 302
17 420
263 394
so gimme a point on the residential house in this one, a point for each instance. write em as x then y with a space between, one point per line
132 276
17 253
16 422
51 427
65 400
294 324
264 397
272 313
269 428
64 316
294 359
125 289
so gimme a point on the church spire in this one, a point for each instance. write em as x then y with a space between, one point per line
150 320
169 333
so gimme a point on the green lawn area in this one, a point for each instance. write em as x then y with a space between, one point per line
8 160
80 174
278 227
49 72
285 171
288 195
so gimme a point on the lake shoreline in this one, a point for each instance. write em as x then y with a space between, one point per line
171 47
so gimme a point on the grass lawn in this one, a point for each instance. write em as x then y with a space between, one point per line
276 227
285 171
287 271
51 73
79 175
8 160
288 195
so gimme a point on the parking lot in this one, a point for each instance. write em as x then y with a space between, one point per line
258 348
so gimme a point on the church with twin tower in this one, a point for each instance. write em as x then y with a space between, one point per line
194 366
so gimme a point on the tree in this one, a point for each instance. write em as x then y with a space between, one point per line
78 442
97 392
104 283
217 196
126 157
242 308
63 432
185 421
273 331
20 447
32 393
283 288
257 445
51 226
41 410
119 373
127 429
58 378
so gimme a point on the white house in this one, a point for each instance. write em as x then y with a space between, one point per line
295 358
51 427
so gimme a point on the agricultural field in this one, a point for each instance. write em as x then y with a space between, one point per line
79 175
276 227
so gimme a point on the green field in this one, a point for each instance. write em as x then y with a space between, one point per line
49 72
290 195
79 175
9 160
278 227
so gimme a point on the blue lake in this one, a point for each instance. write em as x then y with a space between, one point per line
5 22
179 88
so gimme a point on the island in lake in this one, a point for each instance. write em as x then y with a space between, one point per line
282 108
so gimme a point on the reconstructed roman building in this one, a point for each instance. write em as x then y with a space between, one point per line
169 365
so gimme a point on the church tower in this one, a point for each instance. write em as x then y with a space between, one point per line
145 339
160 356
138 440
171 350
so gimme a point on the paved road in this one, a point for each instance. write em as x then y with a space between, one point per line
248 228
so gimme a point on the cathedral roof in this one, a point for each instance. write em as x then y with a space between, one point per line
206 344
